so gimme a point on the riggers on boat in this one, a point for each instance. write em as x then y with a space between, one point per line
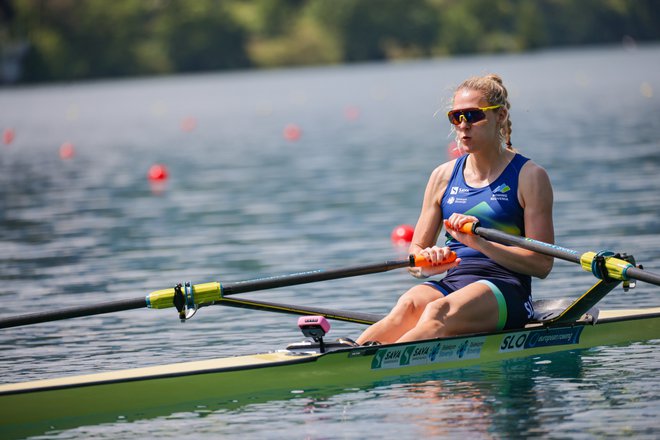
37 406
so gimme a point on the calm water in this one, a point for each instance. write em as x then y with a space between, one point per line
243 202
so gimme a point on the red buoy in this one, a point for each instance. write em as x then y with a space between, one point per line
402 235
292 132
188 124
67 151
157 173
454 151
352 113
8 136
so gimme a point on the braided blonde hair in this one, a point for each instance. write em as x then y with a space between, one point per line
492 87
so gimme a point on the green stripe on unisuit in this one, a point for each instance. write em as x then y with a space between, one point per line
501 303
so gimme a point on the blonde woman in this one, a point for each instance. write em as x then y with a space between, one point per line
488 287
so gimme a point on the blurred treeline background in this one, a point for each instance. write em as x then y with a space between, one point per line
54 40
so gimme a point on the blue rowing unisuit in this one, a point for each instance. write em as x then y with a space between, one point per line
496 205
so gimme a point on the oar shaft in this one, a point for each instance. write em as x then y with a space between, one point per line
310 277
210 292
73 312
616 268
528 243
642 275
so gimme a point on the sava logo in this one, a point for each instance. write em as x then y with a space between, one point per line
450 350
386 358
458 190
540 338
415 354
394 354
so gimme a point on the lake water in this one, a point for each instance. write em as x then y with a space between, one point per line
241 202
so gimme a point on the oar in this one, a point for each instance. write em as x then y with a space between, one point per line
602 264
187 298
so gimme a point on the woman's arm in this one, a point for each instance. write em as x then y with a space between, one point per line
429 224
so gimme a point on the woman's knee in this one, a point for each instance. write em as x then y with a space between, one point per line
436 317
406 302
410 305
438 310
416 299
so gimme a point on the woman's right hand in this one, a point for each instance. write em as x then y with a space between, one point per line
436 256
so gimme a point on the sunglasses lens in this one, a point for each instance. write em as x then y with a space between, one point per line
475 116
454 117
470 116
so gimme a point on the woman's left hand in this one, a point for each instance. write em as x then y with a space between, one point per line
453 226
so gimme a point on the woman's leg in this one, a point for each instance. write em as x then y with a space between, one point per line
402 317
472 309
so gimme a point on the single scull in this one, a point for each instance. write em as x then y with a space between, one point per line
142 392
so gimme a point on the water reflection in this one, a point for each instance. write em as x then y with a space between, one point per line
512 398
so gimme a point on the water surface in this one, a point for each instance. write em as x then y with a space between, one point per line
243 202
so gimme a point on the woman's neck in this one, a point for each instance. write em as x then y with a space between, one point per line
484 167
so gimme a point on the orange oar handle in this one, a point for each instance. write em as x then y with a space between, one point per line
420 261
467 228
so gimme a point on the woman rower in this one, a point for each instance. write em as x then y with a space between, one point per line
488 287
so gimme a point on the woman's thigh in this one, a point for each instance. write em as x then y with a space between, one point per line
473 308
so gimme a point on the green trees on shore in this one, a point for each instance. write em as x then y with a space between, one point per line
76 39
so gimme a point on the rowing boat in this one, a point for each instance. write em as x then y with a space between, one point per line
143 392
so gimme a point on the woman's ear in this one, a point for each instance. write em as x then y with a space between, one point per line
502 115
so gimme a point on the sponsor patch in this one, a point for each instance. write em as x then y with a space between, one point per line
428 353
540 338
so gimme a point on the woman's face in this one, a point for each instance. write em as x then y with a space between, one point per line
478 135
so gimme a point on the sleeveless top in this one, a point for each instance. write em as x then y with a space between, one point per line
496 205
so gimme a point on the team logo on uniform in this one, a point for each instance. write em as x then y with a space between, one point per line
500 193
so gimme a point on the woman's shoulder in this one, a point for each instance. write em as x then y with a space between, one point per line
532 170
443 172
534 182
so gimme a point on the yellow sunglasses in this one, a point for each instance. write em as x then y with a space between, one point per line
470 115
